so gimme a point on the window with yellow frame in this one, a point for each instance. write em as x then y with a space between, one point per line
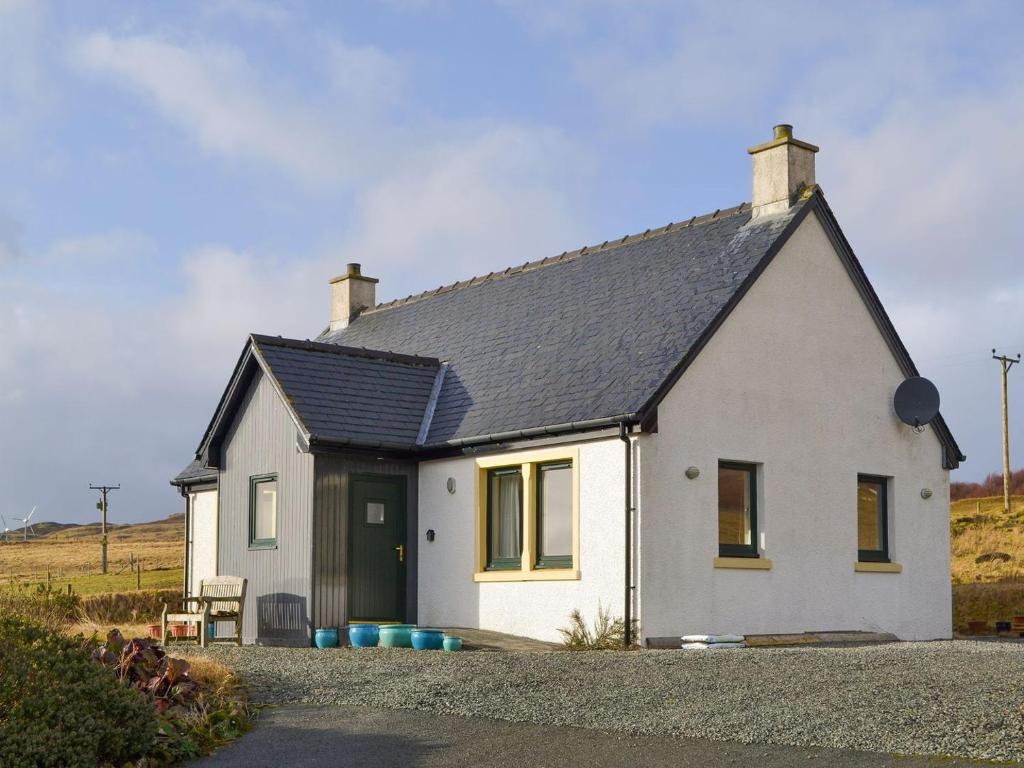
528 521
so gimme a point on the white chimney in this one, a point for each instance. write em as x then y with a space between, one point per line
351 293
783 168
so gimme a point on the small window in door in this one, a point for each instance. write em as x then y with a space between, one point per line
375 513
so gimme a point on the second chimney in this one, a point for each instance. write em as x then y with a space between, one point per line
351 293
783 168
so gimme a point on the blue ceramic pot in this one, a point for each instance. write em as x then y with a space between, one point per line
396 635
452 643
326 637
427 639
364 635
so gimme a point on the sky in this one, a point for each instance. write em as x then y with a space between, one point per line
174 176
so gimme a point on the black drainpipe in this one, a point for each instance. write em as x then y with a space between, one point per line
188 544
628 603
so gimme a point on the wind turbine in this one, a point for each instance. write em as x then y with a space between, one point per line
26 527
7 531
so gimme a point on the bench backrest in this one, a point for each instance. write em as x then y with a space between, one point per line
224 586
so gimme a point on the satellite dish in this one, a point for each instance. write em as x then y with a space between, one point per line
916 401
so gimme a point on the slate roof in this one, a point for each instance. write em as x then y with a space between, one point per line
585 336
588 338
194 473
351 396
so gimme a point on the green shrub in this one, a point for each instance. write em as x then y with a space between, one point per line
607 634
60 708
53 609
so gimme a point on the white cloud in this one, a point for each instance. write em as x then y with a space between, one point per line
484 201
215 94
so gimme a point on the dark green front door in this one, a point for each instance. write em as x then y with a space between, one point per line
377 549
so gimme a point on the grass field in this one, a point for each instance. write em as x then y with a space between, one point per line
980 529
992 589
71 555
989 590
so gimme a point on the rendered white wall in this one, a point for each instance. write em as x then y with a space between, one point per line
800 379
203 537
449 597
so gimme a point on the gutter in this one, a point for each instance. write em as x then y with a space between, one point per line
555 429
627 613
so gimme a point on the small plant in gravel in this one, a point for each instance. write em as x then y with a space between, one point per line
607 634
194 717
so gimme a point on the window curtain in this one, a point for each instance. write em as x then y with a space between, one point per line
509 515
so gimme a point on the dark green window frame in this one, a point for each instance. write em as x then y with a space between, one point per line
743 550
503 563
255 481
882 486
545 560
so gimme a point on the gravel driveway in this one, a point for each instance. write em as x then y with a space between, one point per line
958 698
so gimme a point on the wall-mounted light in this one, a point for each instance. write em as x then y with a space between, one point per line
430 534
926 493
692 473
451 485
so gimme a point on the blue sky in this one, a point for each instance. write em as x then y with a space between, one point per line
174 176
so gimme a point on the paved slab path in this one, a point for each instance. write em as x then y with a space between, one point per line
310 737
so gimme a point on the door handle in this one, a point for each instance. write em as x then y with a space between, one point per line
400 549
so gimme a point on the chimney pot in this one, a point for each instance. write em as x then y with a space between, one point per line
783 168
783 131
351 294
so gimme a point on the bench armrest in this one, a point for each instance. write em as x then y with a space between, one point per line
183 603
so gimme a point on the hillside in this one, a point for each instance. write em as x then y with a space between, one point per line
70 554
988 560
980 530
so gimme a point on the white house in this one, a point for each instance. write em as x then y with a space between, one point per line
692 427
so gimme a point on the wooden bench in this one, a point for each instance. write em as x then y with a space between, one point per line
221 598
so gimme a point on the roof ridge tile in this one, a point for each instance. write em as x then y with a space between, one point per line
530 266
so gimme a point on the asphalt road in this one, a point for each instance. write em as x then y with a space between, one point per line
305 736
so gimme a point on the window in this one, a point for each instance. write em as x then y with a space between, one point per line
505 518
263 511
737 510
528 516
872 519
554 515
375 513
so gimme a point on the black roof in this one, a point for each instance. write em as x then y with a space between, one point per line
583 336
342 395
194 474
585 339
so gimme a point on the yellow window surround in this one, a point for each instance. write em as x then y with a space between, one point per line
744 563
527 462
865 567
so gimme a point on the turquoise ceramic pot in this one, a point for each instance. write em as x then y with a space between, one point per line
427 639
452 643
364 635
326 637
396 635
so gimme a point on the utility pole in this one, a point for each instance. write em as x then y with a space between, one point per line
101 505
1006 363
